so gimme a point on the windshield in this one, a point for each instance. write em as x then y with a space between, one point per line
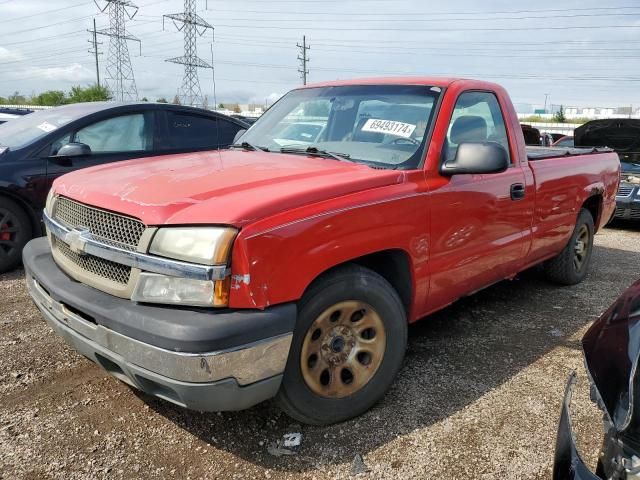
384 125
24 130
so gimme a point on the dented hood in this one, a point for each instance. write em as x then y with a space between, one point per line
231 187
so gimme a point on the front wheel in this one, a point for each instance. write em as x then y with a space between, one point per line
572 264
348 346
15 232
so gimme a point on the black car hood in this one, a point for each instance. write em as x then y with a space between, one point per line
620 134
612 349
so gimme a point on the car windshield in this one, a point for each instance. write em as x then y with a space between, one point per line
383 125
22 131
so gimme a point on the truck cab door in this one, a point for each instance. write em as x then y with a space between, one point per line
480 225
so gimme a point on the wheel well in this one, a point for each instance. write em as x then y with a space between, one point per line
393 266
594 205
36 228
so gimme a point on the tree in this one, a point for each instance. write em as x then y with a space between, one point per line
51 98
559 116
236 109
176 100
17 99
221 105
144 99
162 100
93 93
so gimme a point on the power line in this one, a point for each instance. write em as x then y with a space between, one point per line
95 43
41 13
304 59
193 26
120 79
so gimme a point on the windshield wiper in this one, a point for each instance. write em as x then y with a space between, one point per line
249 146
315 151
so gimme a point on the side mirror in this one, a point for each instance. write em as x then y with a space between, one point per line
74 150
477 158
238 136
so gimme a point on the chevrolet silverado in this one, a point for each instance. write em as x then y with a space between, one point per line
217 280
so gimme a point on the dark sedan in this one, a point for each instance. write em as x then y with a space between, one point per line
41 146
612 349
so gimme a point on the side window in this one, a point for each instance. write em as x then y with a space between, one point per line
476 118
188 131
126 133
226 132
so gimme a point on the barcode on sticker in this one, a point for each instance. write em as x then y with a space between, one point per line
389 127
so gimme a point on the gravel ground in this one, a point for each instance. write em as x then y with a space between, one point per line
478 397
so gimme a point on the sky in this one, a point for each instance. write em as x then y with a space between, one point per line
577 53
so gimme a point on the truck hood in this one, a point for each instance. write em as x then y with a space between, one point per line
620 134
231 187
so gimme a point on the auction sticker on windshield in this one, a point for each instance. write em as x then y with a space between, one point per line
47 127
389 127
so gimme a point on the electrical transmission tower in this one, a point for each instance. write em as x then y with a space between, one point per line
120 80
193 27
304 59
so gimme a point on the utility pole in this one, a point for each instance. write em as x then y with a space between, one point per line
546 95
119 78
304 59
94 42
193 27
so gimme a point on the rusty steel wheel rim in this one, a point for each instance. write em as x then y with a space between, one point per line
581 248
343 349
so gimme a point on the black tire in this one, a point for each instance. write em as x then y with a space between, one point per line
15 232
348 285
563 268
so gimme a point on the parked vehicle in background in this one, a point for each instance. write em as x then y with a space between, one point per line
564 141
247 120
531 135
39 147
623 136
10 113
611 349
546 140
557 136
217 281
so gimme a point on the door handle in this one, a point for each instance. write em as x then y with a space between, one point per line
517 191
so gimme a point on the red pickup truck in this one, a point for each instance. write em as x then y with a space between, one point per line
290 265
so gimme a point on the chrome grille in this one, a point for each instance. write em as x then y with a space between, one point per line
624 190
107 226
107 269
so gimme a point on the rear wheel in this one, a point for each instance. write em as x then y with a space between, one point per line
572 264
348 346
15 232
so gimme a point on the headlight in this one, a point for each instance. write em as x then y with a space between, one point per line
154 288
205 245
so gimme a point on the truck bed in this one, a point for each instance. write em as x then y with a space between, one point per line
540 153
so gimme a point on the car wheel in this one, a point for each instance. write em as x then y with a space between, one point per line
15 232
348 346
572 264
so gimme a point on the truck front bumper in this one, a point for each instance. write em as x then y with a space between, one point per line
201 359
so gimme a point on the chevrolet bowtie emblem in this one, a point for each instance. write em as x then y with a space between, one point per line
76 239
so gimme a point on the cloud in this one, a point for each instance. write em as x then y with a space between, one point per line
7 55
71 73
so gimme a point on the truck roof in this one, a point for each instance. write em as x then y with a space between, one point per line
410 80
